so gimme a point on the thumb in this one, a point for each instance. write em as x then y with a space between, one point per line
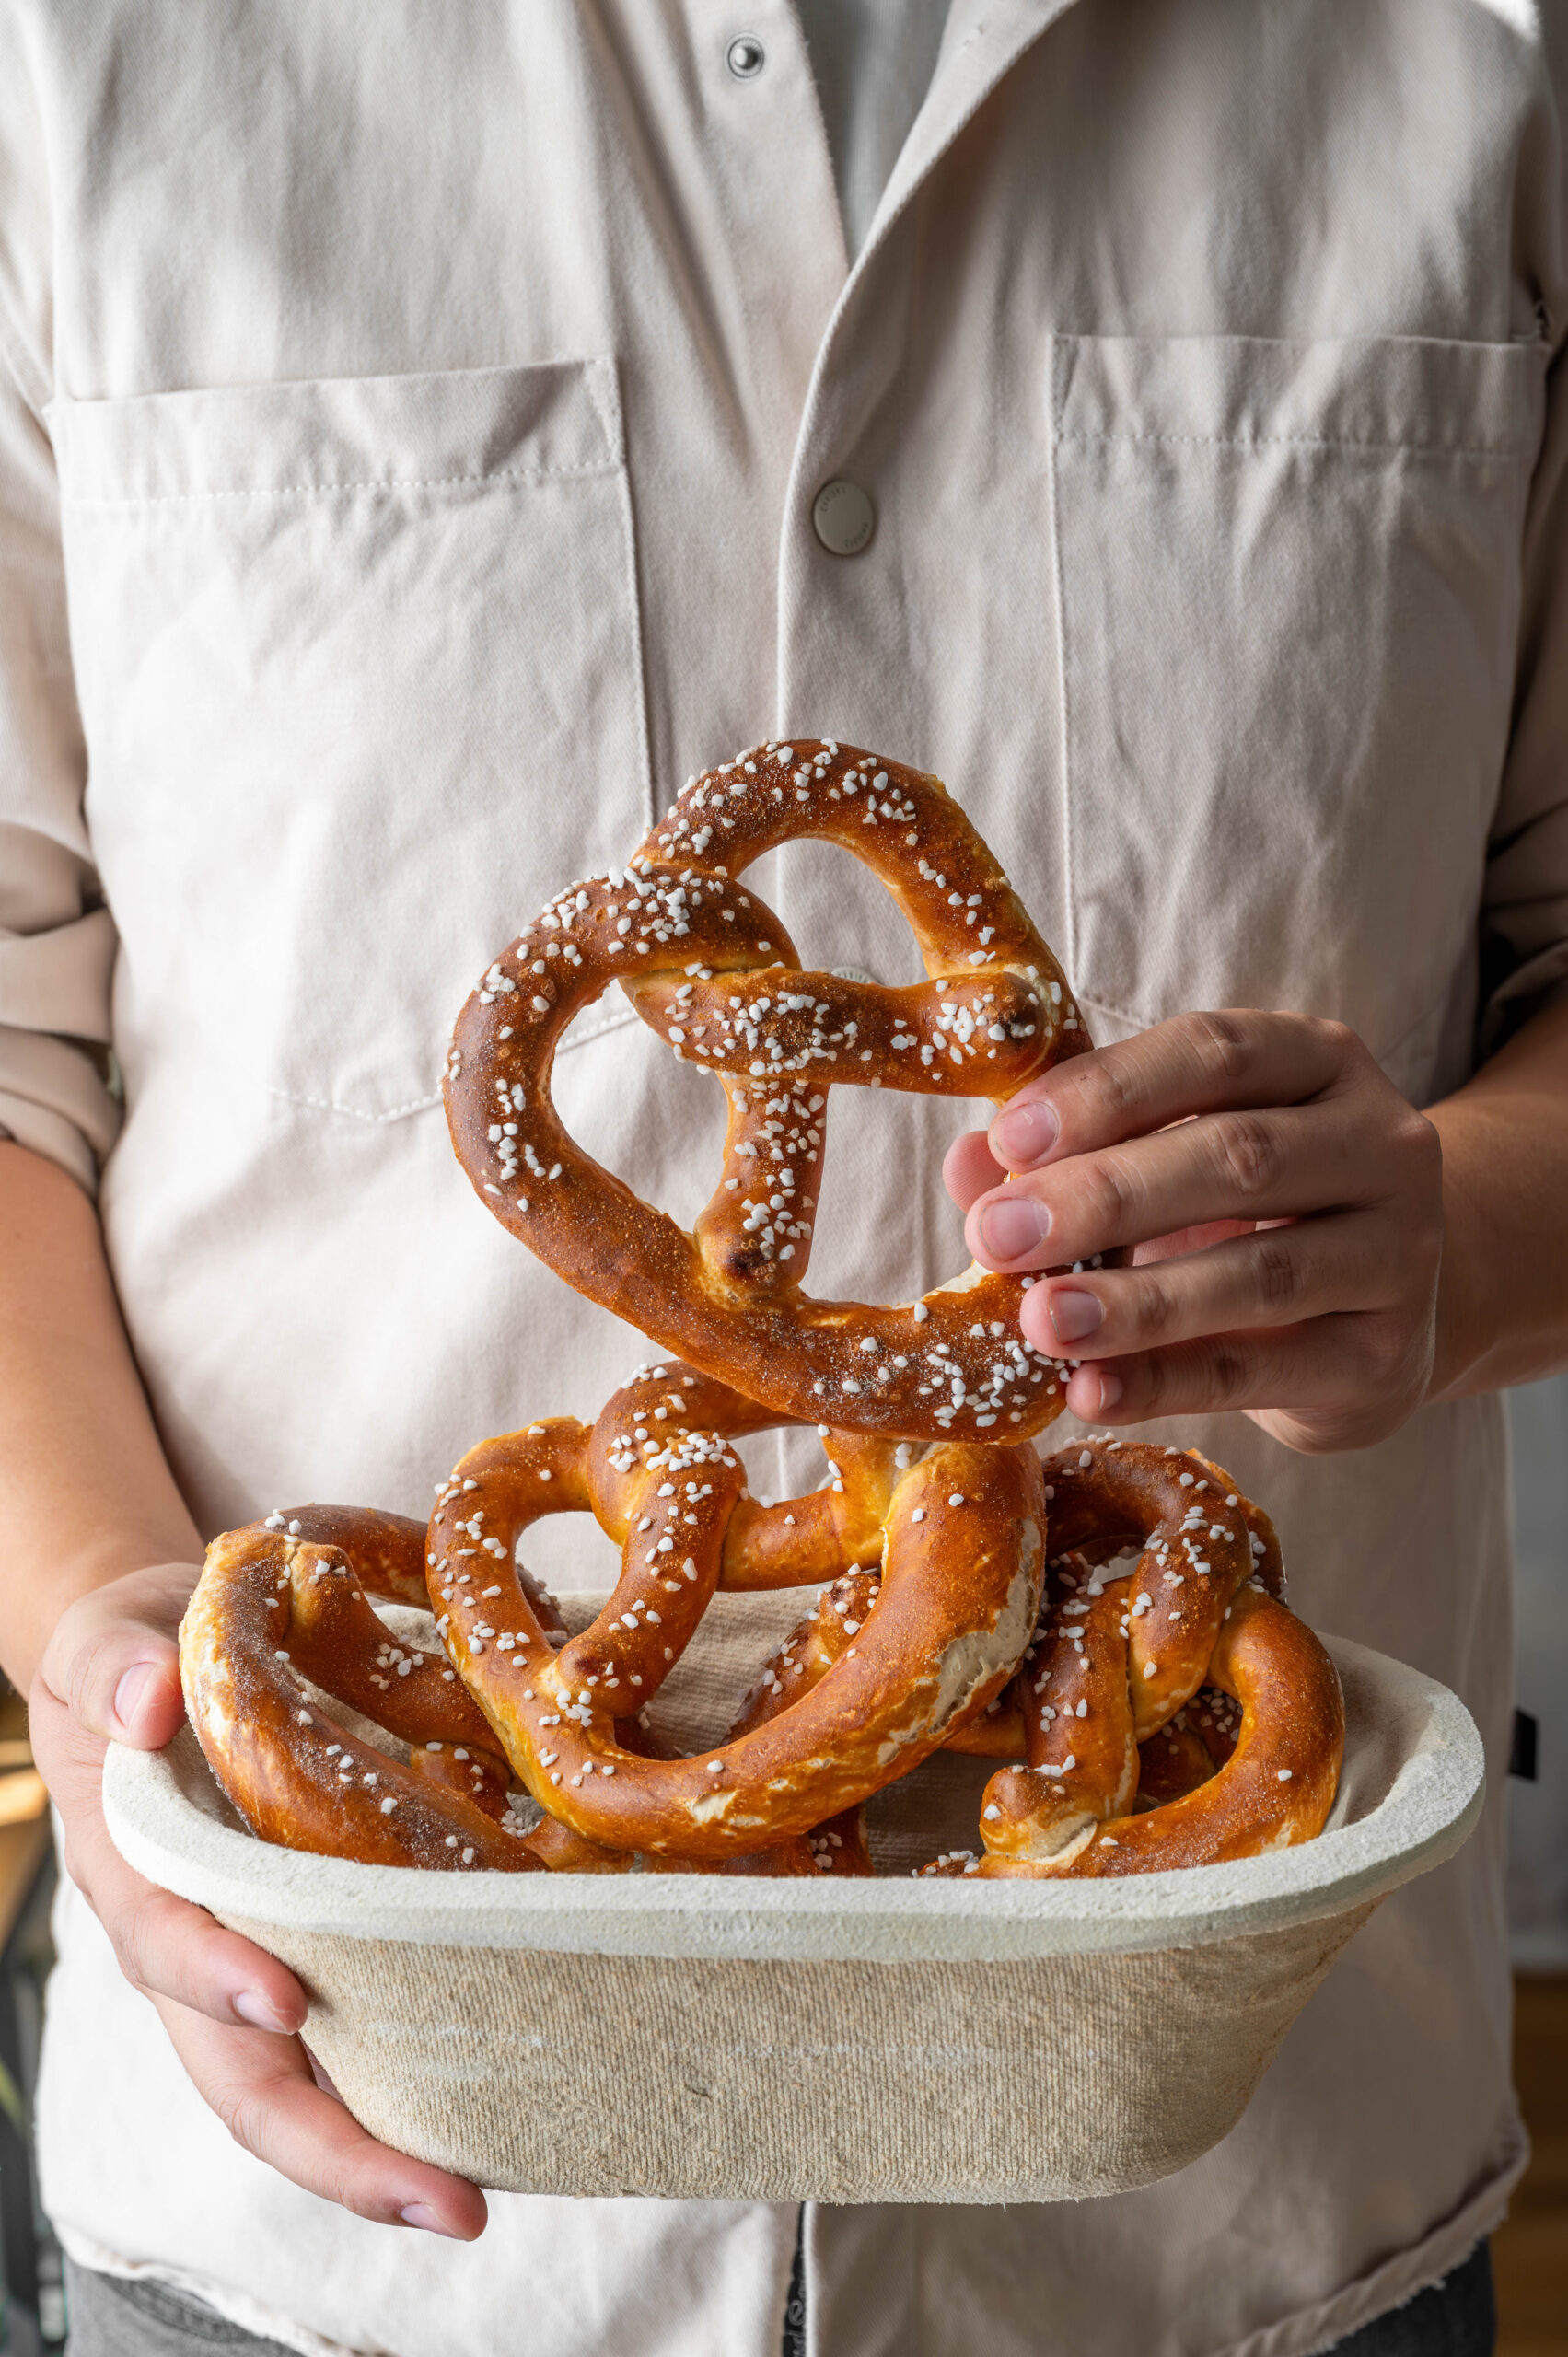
148 1704
112 1659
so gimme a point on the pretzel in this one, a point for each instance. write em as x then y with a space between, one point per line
284 1601
838 1846
1116 1699
713 971
1166 1717
960 1541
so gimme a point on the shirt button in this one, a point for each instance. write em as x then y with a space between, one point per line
746 58
842 517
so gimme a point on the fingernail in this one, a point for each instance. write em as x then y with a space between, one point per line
421 2214
1074 1314
1013 1226
252 2007
1110 1391
319 2075
129 1691
1024 1134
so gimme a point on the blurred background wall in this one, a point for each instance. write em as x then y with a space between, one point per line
1538 1894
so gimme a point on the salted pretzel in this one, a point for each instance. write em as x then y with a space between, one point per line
713 971
281 1618
1169 1712
822 1637
1173 1713
889 1661
958 1538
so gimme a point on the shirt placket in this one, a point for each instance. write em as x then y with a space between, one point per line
725 288
861 2264
831 508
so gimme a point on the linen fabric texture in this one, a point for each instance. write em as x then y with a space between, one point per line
408 437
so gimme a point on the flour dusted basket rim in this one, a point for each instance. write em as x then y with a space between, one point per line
661 2034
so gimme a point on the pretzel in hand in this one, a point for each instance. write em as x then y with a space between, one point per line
283 1602
957 1538
711 969
1174 1713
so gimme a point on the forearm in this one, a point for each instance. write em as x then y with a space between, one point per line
1503 1294
85 1493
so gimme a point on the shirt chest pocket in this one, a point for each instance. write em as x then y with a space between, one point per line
361 684
1288 577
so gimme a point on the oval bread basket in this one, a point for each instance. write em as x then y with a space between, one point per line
885 2040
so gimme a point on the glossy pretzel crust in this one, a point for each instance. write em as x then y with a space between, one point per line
953 1548
1169 1713
1126 1654
280 1620
959 1538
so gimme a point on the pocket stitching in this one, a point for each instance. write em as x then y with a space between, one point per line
614 1022
334 490
350 1112
1508 456
1065 749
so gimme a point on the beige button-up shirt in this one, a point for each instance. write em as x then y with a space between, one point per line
410 425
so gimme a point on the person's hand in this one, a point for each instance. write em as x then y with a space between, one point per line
233 2012
1281 1205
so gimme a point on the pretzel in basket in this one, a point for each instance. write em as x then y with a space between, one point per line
959 1538
711 969
1182 1686
1173 1713
932 1594
281 1618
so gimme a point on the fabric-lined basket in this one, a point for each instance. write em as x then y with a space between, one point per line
726 2038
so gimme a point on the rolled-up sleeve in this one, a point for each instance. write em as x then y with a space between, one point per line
1524 913
56 939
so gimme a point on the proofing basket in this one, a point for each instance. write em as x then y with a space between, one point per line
738 2039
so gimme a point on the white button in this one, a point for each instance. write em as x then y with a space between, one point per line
842 517
746 58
